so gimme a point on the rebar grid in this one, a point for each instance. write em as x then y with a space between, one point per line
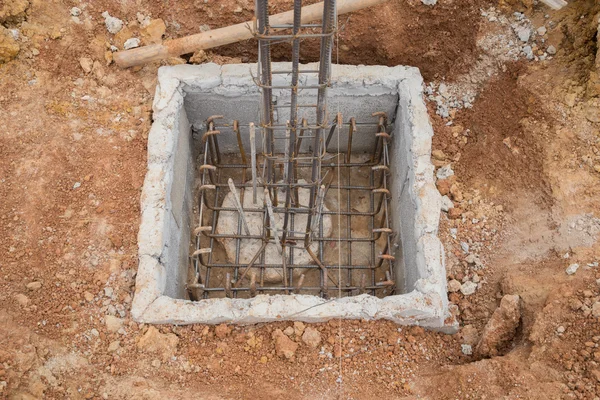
280 173
241 279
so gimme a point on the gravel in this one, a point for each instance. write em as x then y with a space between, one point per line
571 269
113 24
468 288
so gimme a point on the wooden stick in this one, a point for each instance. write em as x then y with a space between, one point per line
227 35
238 205
272 220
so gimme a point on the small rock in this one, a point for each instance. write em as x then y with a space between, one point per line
108 291
289 331
311 337
131 43
222 330
528 52
88 296
299 328
464 246
541 30
284 346
75 12
454 286
443 186
468 288
596 309
113 324
438 155
9 47
560 330
155 342
429 2
35 52
501 328
469 335
114 346
22 299
454 213
551 50
445 172
523 33
34 285
204 28
154 31
571 269
113 25
87 64
466 349
156 363
447 204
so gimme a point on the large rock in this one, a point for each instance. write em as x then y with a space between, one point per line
163 344
12 11
228 224
9 48
501 328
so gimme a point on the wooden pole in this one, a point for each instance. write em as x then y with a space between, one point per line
226 35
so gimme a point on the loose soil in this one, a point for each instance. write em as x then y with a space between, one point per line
73 160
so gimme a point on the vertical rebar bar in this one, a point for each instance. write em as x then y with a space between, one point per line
328 26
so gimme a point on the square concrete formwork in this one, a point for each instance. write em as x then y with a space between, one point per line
186 95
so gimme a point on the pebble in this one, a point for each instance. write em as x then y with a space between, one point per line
86 64
447 204
571 269
464 246
311 337
113 324
454 286
131 43
88 296
158 343
523 34
289 331
541 30
114 346
22 299
34 285
75 12
528 52
445 172
222 330
108 291
113 25
596 309
551 50
560 330
467 349
76 185
468 288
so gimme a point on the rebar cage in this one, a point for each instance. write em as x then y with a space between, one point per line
345 180
309 259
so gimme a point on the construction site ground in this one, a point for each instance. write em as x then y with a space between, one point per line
525 152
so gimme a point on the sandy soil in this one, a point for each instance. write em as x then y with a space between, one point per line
73 154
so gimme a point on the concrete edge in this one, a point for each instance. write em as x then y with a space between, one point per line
426 306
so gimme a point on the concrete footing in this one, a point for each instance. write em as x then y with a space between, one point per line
186 95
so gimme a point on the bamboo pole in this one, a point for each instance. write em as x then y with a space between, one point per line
226 35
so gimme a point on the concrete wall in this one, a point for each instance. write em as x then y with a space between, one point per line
196 92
